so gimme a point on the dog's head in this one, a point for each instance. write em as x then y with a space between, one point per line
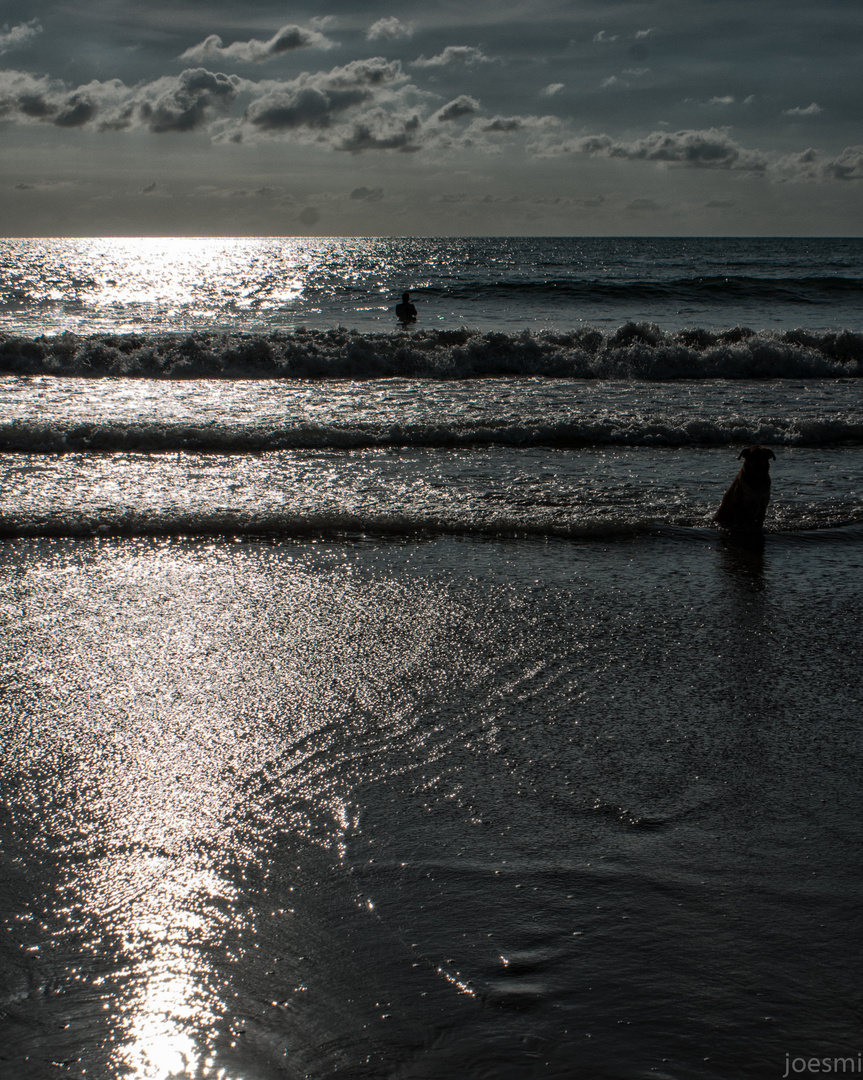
757 458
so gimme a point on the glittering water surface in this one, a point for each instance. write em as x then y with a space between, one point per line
153 284
428 809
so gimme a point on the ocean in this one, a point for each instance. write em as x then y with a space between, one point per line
381 701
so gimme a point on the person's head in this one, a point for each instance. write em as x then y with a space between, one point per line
406 297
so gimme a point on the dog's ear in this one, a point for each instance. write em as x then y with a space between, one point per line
743 454
773 456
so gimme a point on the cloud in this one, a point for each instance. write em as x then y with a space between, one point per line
370 105
712 148
454 54
504 124
19 36
380 130
315 101
287 39
460 107
643 206
551 89
389 29
810 110
641 34
848 166
37 99
186 104
604 38
365 194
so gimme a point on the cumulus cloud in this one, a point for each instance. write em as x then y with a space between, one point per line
454 54
287 39
848 166
389 29
315 101
381 130
185 103
809 110
458 108
180 103
370 105
551 89
712 148
19 36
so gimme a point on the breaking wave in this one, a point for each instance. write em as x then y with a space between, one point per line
59 437
274 525
633 351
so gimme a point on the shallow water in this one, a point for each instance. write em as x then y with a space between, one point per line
384 703
430 808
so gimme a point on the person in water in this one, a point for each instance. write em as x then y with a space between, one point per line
405 311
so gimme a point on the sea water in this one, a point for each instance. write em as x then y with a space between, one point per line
383 702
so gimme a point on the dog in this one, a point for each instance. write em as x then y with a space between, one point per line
744 505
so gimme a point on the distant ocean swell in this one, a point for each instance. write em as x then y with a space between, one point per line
633 351
812 289
797 290
56 437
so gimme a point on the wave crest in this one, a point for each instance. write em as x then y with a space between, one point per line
635 350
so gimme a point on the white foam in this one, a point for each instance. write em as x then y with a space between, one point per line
635 350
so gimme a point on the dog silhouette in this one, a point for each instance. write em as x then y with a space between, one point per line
744 505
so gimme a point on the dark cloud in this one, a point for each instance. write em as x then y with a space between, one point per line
380 132
365 194
315 101
848 166
713 148
185 105
308 107
503 124
76 112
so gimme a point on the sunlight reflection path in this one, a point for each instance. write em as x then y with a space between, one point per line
179 711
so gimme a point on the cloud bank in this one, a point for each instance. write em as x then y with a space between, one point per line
369 106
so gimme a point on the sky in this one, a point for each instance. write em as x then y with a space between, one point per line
477 117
